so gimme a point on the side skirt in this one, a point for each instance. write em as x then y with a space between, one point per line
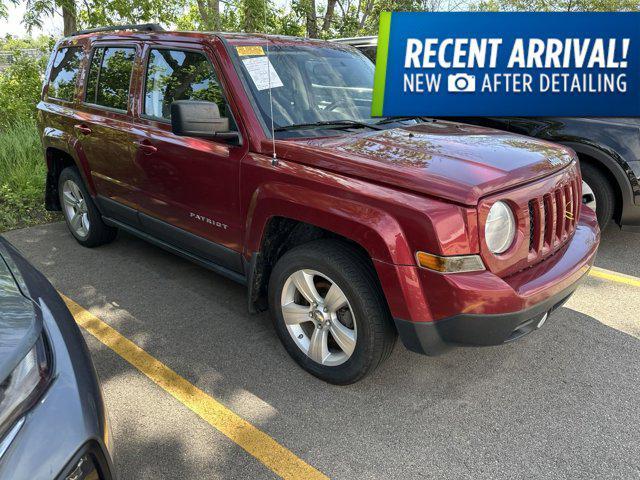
203 262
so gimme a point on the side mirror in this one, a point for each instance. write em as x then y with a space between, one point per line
195 118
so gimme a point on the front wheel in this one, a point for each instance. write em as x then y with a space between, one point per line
329 311
597 194
81 214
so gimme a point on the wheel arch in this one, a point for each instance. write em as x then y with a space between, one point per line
57 161
374 229
62 151
612 171
276 224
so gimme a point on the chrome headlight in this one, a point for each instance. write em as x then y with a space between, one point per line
23 384
500 228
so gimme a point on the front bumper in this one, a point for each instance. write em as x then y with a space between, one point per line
432 338
483 309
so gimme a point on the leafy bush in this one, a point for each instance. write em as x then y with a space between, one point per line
22 166
20 87
22 177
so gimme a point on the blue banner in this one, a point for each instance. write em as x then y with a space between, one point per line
508 64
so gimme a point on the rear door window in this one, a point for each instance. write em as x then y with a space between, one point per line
180 75
110 76
64 73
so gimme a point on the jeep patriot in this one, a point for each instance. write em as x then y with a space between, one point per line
256 156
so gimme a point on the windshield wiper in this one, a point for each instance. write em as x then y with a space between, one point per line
401 119
333 124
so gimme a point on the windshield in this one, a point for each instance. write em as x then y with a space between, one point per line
309 84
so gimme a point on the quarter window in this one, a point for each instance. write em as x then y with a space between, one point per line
110 76
180 75
64 73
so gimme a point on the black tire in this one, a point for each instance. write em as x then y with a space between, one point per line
98 233
352 272
603 192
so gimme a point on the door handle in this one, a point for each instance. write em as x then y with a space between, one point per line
82 128
146 148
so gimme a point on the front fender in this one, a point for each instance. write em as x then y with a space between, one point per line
390 224
375 230
372 228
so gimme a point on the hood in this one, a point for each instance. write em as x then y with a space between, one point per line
458 162
20 325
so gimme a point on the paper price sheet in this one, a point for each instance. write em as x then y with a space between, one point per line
260 69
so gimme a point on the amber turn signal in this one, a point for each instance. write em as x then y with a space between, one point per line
453 264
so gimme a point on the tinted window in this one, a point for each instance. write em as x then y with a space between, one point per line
180 75
92 80
109 77
64 72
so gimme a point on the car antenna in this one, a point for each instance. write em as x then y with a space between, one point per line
274 159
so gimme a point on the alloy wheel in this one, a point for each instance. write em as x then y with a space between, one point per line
318 317
75 209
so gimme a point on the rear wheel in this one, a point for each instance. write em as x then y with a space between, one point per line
597 193
80 212
329 312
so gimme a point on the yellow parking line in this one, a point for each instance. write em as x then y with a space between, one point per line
615 277
279 459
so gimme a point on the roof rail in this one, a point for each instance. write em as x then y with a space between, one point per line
142 27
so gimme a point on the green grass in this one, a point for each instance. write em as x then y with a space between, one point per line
22 178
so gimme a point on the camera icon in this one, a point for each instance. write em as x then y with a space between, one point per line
461 82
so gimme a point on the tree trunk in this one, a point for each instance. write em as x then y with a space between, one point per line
69 18
209 14
204 14
312 25
365 14
215 8
328 16
253 15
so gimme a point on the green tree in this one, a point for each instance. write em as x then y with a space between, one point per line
20 87
348 18
209 11
38 10
93 13
558 5
253 14
319 18
43 43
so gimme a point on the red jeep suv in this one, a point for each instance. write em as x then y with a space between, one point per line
256 156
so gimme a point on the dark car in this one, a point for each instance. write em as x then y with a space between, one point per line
608 149
256 156
52 418
609 153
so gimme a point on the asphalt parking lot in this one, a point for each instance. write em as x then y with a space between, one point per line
564 402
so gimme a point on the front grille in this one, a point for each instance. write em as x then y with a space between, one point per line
553 218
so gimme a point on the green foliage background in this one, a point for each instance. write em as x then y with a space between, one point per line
22 167
22 174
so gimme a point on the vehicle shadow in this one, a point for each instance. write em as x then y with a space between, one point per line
561 401
619 251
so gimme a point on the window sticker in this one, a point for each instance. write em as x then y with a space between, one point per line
247 50
260 69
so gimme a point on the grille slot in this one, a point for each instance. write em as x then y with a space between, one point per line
532 224
552 219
